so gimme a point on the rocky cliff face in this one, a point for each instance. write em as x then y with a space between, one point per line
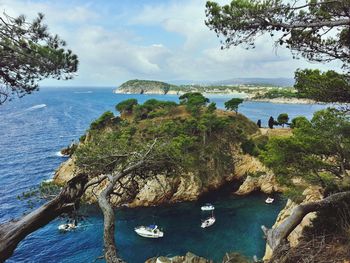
162 189
311 194
265 183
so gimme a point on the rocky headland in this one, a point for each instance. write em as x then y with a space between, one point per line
189 186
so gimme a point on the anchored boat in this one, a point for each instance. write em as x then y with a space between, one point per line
67 227
151 231
207 207
208 222
269 200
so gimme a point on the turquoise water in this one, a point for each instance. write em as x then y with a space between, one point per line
237 228
31 134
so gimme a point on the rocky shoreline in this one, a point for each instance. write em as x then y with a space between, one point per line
190 188
186 187
247 97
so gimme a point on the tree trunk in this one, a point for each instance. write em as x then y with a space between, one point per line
279 234
110 250
11 233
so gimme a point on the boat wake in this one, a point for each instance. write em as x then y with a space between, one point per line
35 107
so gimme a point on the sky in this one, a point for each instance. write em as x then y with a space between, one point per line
167 40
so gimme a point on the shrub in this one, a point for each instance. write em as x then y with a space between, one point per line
102 120
282 119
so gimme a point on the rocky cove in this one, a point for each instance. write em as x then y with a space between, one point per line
162 191
191 188
67 248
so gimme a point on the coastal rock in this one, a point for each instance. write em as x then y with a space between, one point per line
184 187
65 172
188 258
158 190
247 164
266 183
312 194
189 188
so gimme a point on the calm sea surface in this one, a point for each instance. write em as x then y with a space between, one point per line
35 128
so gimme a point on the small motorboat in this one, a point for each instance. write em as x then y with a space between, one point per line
269 200
208 222
67 227
207 207
151 231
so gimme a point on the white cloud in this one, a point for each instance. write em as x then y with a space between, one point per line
114 46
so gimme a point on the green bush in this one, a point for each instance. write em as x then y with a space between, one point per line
295 194
102 120
282 119
126 106
299 121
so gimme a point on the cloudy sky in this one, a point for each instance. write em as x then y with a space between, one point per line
118 40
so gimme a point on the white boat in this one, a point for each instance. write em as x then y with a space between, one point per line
208 222
269 200
67 227
151 231
207 207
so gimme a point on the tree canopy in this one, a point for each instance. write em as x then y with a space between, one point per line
328 86
318 150
193 101
282 119
233 104
29 53
126 106
319 30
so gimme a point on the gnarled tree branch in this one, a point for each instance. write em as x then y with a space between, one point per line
279 234
11 233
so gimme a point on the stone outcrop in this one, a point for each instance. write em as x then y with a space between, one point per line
162 189
65 172
312 194
265 183
188 258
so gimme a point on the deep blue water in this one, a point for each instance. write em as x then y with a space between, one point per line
32 133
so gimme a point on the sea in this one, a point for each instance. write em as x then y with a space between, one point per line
34 128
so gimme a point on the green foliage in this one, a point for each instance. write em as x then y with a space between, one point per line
318 150
282 119
295 194
254 145
233 104
153 108
211 107
102 120
249 147
200 144
328 86
194 101
29 53
82 138
301 27
126 106
299 122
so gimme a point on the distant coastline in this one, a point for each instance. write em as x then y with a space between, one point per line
249 92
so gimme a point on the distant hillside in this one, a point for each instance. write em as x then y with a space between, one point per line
279 82
158 87
145 86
